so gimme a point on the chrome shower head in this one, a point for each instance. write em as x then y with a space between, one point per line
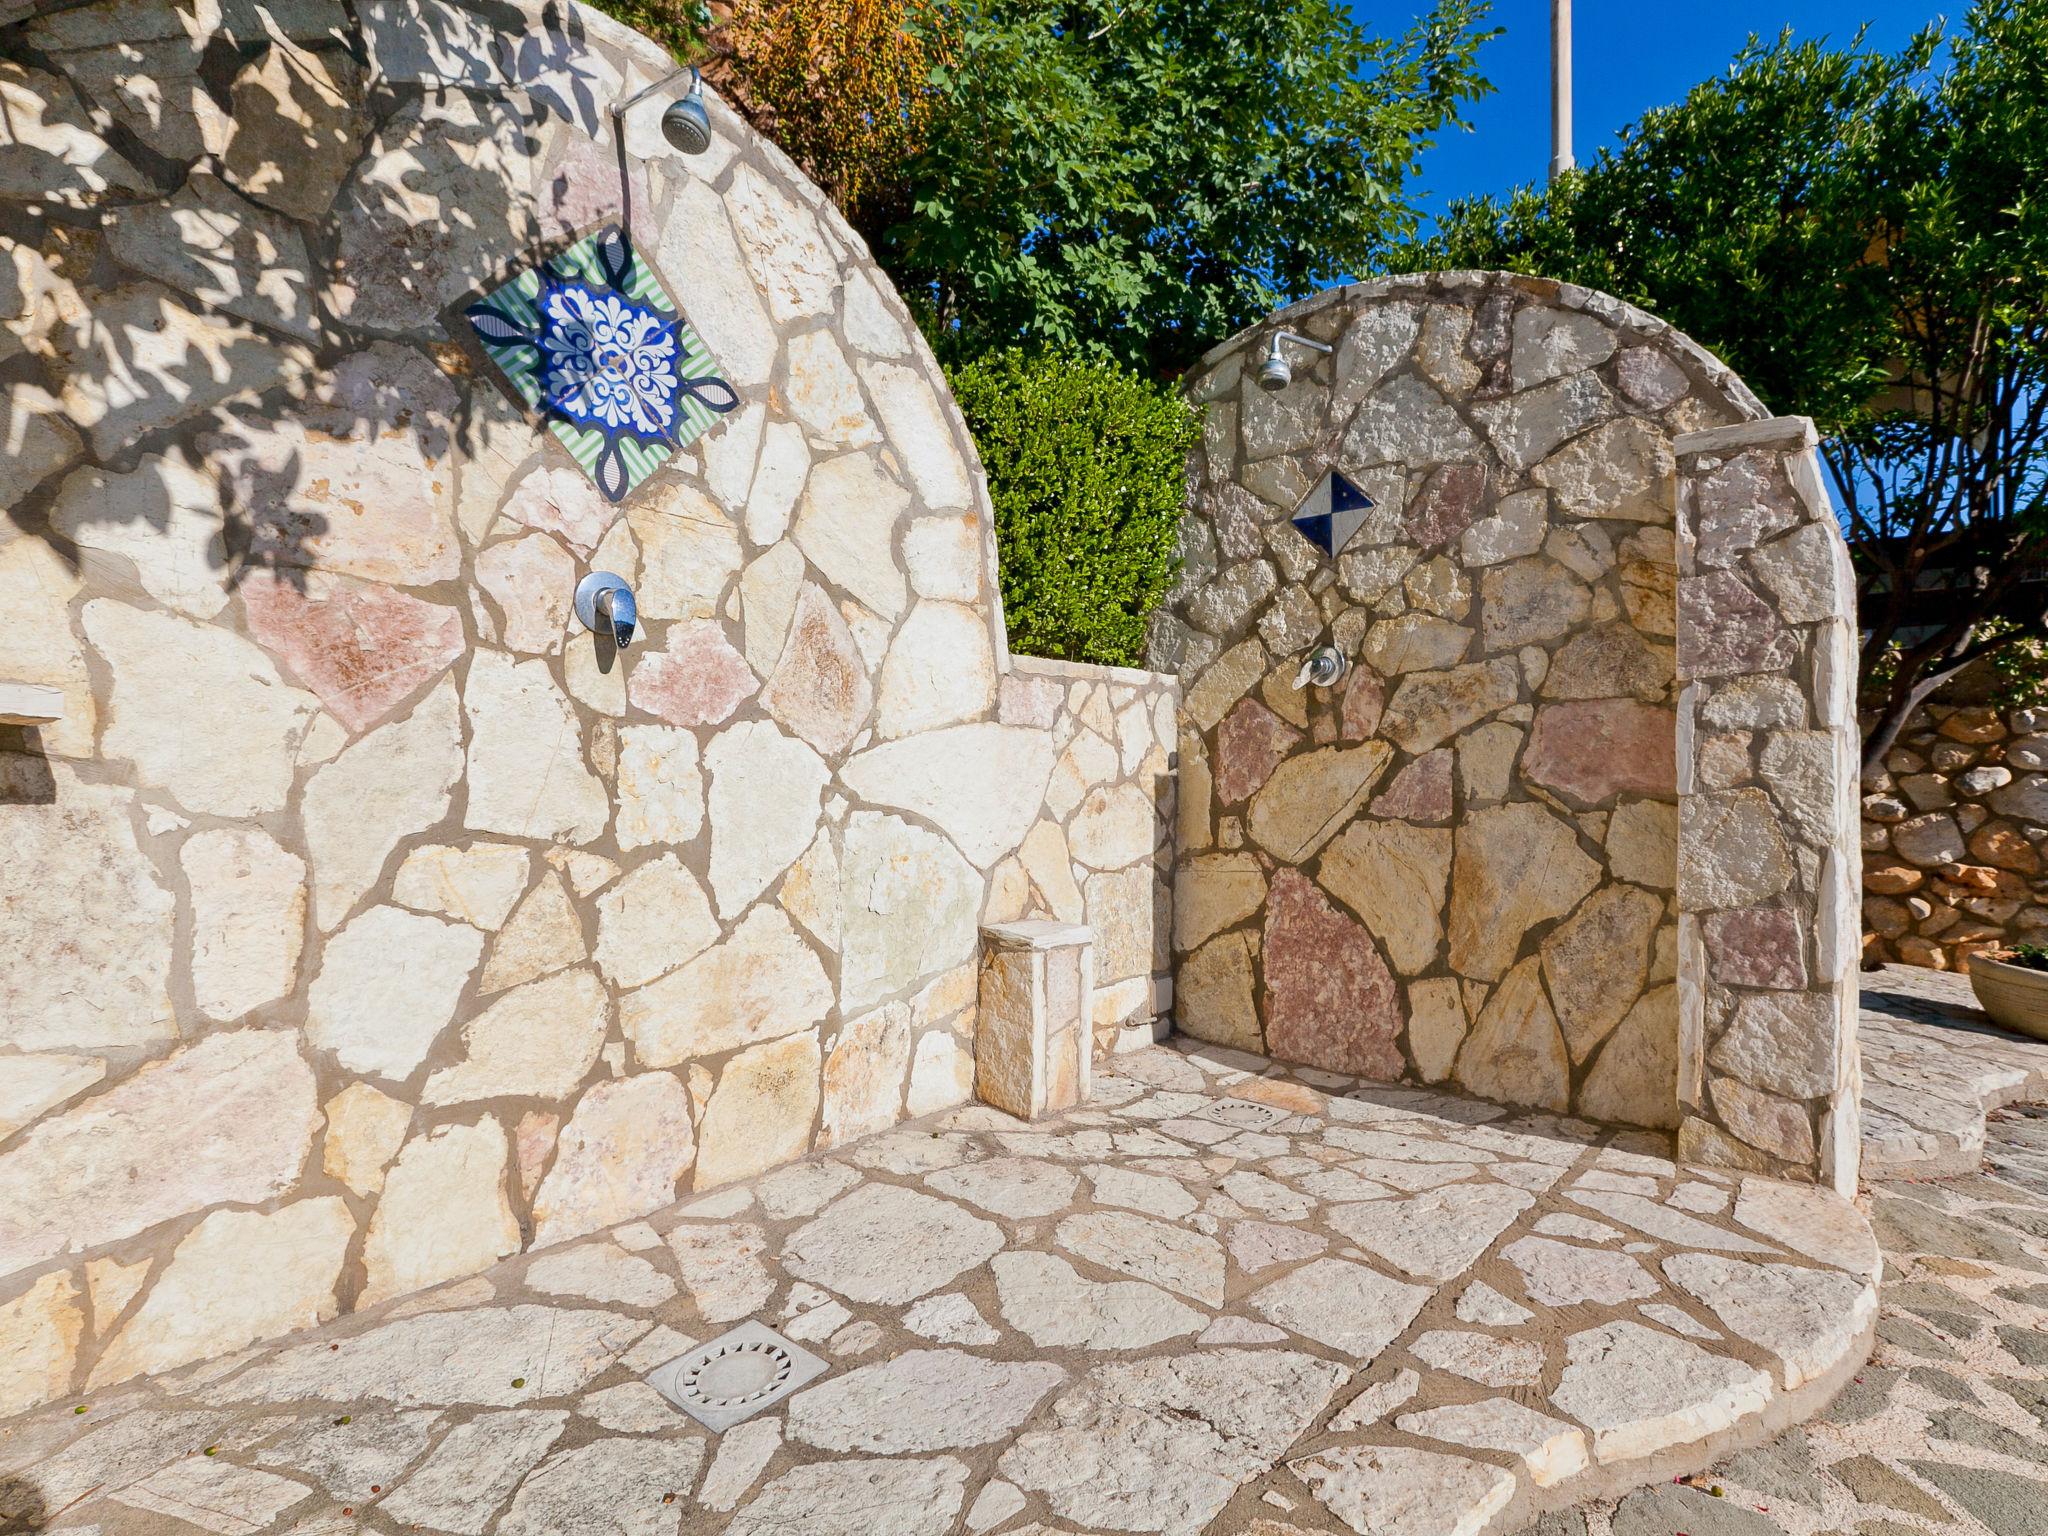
1275 372
685 123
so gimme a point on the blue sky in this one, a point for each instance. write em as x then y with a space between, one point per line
1630 54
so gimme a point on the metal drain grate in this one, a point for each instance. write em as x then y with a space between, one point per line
736 1375
1243 1114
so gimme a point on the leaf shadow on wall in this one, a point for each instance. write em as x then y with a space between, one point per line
293 357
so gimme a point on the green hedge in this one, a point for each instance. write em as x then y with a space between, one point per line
1087 469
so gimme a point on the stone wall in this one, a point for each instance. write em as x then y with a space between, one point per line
1459 864
1954 834
363 923
1101 853
1769 1078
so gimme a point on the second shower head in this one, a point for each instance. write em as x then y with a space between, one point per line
1275 372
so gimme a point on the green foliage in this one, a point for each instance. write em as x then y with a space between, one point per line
2017 660
1086 466
1144 177
2020 665
1133 178
1865 240
2030 957
680 26
1741 214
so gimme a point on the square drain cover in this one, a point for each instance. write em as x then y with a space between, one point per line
736 1375
1243 1114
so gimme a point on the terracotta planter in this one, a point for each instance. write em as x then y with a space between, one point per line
2014 996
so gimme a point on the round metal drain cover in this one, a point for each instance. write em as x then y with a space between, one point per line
738 1374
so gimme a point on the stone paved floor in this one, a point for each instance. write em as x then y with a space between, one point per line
1932 1066
1393 1312
1945 1431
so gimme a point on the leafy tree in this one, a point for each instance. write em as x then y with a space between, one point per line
1138 178
1144 177
844 87
1864 237
1086 466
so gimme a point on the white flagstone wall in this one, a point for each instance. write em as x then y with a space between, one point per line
357 926
1460 863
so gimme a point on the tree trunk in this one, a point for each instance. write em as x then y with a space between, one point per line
1899 704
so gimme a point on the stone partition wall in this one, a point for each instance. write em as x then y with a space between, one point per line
1768 747
363 922
1461 863
1954 835
1101 852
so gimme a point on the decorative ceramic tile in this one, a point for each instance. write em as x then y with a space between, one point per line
592 340
1331 513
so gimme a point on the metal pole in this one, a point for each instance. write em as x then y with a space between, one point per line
1560 87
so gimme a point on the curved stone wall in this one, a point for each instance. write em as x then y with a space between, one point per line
363 923
1459 864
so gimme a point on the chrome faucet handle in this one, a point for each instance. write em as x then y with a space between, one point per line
605 605
617 606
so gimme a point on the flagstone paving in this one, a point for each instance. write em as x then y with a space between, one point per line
1933 1065
1945 1431
1391 1312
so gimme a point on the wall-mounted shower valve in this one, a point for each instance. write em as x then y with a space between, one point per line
1326 665
605 605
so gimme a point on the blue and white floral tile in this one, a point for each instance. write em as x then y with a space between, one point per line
591 340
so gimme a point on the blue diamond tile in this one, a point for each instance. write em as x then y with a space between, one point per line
1331 513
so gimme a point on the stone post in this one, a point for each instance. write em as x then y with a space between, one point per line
1769 860
1033 1039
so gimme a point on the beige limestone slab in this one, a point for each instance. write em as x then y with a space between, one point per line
364 1132
444 1213
385 786
622 1154
77 1179
237 1277
761 1112
1640 1391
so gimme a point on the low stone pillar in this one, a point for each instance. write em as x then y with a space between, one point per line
1769 856
1032 1035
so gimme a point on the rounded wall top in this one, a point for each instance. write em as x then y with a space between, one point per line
1496 384
1473 287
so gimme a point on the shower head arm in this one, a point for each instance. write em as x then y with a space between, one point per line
626 104
1300 340
1275 372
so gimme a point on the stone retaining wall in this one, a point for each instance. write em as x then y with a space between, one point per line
362 924
1459 865
1954 835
